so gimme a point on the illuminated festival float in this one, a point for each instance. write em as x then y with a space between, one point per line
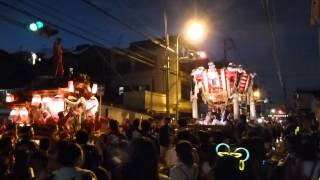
71 107
224 89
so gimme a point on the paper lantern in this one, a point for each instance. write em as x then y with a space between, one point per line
94 88
9 98
57 105
70 86
46 100
36 100
14 112
92 104
23 112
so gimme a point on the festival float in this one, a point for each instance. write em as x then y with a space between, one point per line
71 107
224 89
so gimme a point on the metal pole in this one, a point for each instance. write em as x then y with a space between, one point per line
177 78
168 64
168 86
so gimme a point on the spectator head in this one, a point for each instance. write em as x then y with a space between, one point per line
227 168
184 152
92 159
143 156
114 125
58 40
165 121
26 132
145 126
182 123
136 123
61 115
203 137
82 137
70 155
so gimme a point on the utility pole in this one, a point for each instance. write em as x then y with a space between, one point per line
168 64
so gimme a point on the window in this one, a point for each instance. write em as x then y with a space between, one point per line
121 90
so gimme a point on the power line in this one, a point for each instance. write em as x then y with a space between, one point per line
86 31
63 20
73 19
265 6
49 23
128 26
122 6
75 33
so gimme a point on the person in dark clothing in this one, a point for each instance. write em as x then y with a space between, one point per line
82 137
164 137
142 162
134 131
92 161
184 133
146 132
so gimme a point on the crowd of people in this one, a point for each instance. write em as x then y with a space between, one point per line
163 149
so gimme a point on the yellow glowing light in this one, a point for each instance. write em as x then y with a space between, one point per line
235 154
195 31
241 165
256 94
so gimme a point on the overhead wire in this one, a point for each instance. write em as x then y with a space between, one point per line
118 51
265 6
128 26
86 31
67 15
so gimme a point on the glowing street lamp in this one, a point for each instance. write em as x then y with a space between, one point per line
257 94
194 32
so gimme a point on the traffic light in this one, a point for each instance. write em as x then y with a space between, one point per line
36 26
42 29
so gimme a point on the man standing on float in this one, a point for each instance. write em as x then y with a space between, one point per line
57 58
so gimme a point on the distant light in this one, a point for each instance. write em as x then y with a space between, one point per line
260 120
266 100
280 111
33 27
34 57
202 54
273 111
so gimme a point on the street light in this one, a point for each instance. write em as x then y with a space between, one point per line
257 94
194 32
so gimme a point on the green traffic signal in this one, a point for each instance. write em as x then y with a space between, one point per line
39 24
35 26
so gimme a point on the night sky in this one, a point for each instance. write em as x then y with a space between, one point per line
242 20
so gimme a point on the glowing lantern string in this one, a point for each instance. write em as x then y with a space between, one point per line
236 153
